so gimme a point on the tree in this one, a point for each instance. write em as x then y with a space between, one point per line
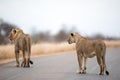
5 29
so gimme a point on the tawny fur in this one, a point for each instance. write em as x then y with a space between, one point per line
22 42
86 48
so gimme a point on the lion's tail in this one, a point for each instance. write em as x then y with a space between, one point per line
31 62
106 71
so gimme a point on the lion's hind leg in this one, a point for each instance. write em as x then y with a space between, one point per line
22 64
104 64
99 60
27 62
17 58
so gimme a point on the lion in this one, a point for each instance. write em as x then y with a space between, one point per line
86 48
22 43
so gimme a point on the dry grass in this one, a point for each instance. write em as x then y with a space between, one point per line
49 48
7 51
114 44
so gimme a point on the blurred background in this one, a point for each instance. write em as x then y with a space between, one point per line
53 20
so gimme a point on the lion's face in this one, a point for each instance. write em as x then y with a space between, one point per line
14 33
71 38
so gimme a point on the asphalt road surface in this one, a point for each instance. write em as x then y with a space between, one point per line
62 67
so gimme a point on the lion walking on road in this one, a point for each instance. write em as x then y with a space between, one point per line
22 42
87 49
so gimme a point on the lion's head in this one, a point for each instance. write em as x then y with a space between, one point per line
73 37
15 33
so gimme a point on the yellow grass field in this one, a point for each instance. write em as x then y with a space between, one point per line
7 51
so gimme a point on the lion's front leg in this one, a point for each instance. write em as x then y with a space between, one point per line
80 61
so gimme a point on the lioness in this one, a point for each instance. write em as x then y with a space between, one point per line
22 42
87 49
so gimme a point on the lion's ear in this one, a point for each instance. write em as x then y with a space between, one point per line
72 34
14 31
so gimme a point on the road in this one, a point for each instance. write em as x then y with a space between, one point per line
62 67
